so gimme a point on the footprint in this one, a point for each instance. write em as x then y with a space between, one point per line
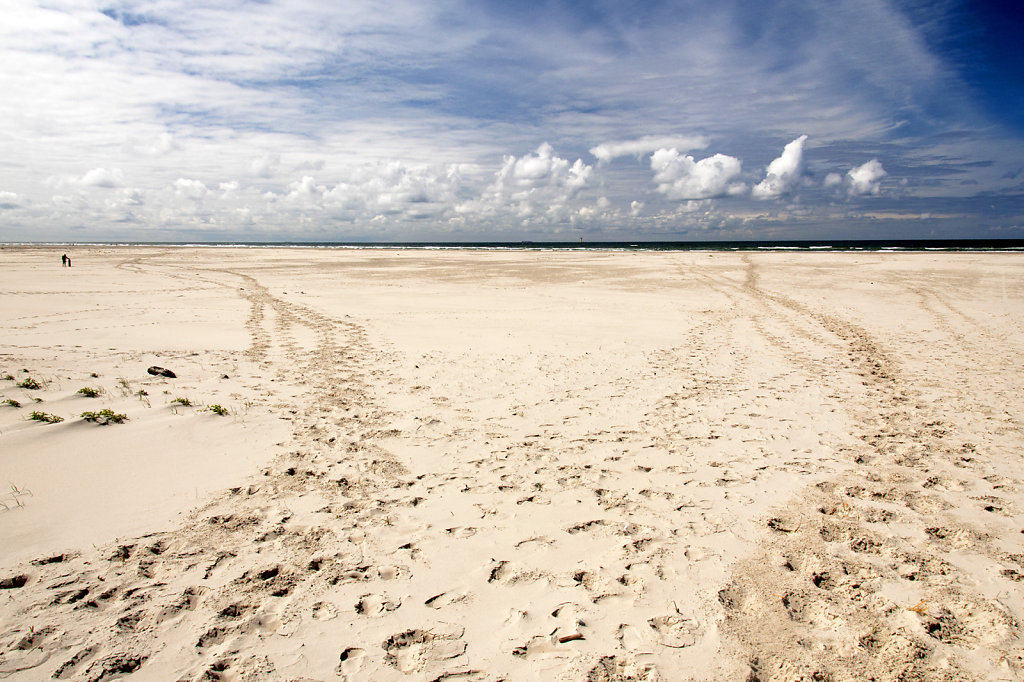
539 646
188 601
413 650
629 637
351 661
616 668
406 650
67 668
14 582
375 604
675 631
115 664
323 610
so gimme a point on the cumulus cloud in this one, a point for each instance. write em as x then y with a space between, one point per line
866 178
190 189
536 187
543 168
680 177
102 177
253 105
129 196
305 190
8 200
265 166
784 173
388 191
607 151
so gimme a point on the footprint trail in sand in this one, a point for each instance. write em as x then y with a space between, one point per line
769 494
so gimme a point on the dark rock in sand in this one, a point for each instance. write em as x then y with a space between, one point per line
161 372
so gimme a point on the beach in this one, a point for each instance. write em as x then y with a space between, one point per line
467 464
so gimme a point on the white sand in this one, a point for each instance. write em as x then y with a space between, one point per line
512 465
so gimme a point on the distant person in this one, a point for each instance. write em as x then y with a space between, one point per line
69 261
64 260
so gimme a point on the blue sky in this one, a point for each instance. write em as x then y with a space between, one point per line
413 120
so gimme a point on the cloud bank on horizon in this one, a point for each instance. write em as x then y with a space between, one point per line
296 120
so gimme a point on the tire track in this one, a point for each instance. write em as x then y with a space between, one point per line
246 564
860 577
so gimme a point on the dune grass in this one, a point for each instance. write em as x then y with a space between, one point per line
104 417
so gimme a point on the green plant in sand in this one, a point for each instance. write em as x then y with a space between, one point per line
124 386
182 401
46 417
30 384
12 402
217 409
104 417
89 392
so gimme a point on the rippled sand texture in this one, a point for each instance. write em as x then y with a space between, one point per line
468 465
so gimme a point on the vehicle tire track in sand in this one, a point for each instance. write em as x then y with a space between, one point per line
253 562
861 578
331 544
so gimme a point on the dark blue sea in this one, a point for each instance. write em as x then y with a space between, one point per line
1012 245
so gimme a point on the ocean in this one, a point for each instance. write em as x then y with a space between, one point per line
1009 245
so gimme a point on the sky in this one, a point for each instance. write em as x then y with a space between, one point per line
483 120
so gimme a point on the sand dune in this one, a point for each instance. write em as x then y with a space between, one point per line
476 465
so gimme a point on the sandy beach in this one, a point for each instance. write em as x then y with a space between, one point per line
511 465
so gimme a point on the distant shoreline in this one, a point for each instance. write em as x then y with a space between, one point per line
972 245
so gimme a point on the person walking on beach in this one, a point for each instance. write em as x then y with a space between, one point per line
63 260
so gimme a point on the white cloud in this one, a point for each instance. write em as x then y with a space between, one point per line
784 173
8 200
180 83
317 165
390 191
102 177
532 188
606 151
129 196
190 189
543 168
865 179
833 180
265 166
305 190
163 144
680 177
